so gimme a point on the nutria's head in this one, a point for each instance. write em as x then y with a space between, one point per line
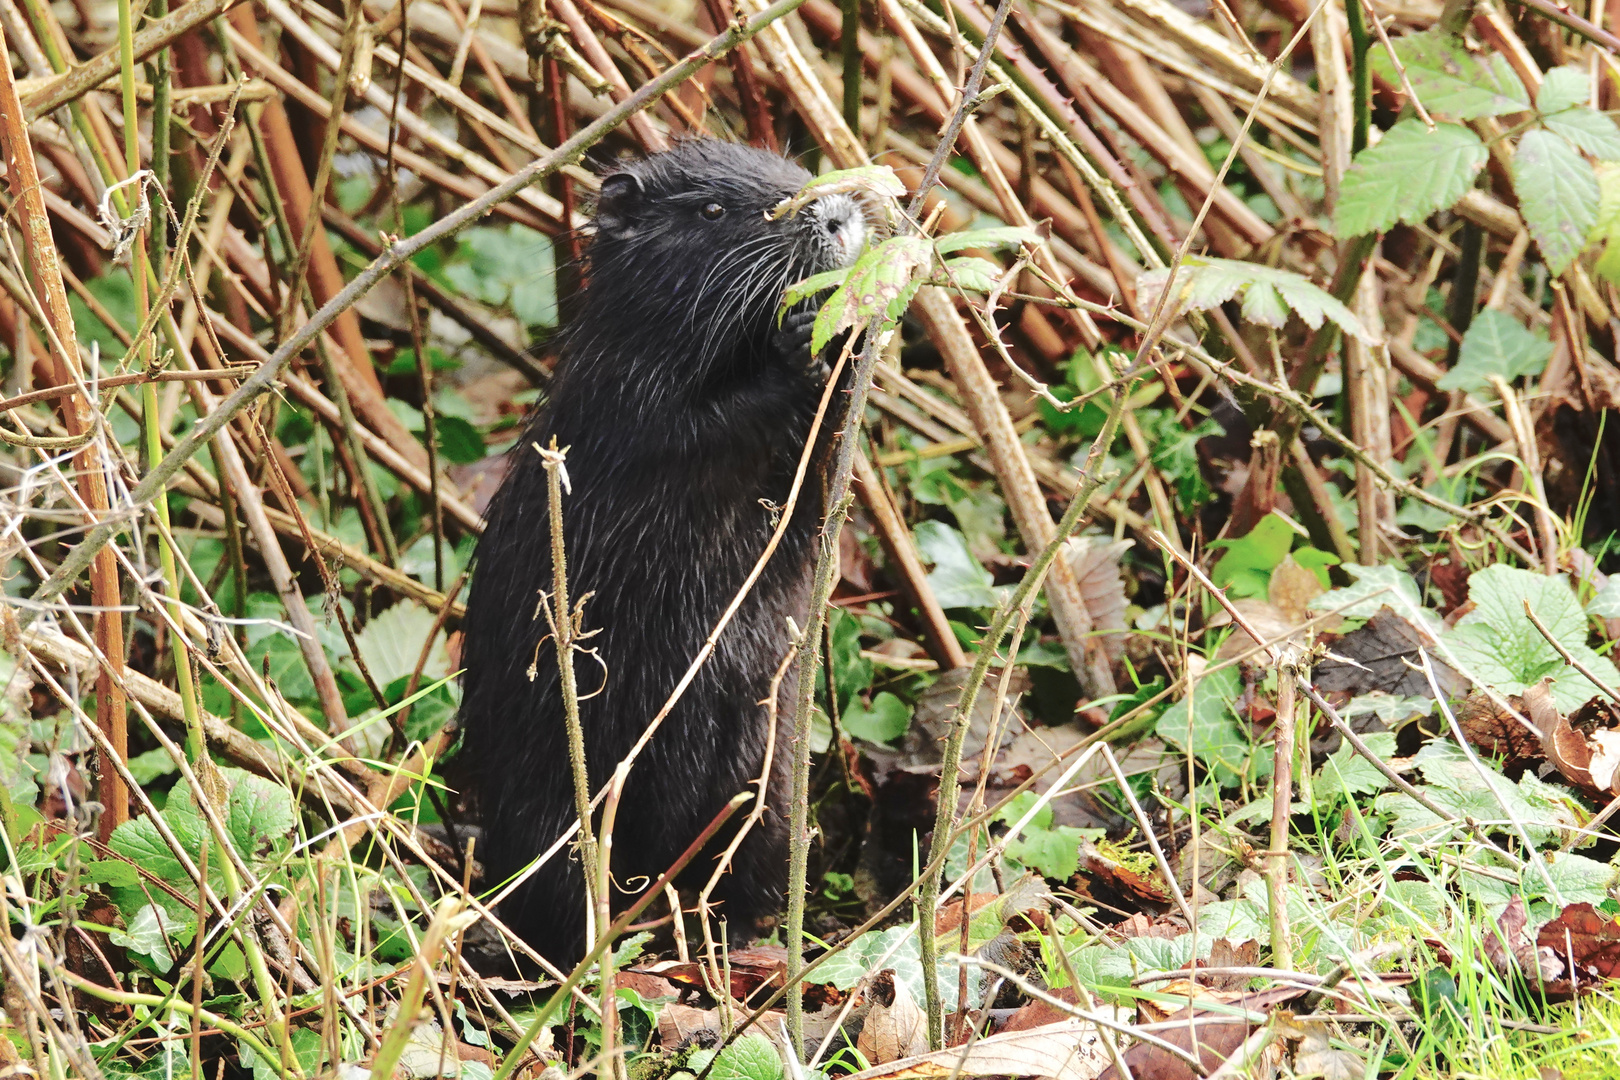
682 244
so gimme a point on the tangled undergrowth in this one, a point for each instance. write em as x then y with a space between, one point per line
1215 672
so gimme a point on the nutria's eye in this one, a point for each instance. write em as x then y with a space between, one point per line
713 211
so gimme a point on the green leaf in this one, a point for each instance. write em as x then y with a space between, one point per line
852 672
1347 773
813 285
1410 174
1204 723
1563 88
1496 644
1496 344
1002 236
1451 80
896 948
259 812
1204 283
512 266
957 579
1607 226
879 178
1053 853
145 934
1250 559
884 721
391 644
1606 604
1588 130
1558 196
139 841
1375 587
114 872
974 274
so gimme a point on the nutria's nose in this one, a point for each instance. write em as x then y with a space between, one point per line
841 219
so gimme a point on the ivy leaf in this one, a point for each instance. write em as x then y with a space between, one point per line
884 721
957 579
1451 80
1606 604
1204 723
1496 344
1410 174
1204 283
1588 130
1347 773
1562 88
148 933
1376 587
1558 196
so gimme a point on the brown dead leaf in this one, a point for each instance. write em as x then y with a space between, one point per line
1497 731
1069 1050
1585 943
1148 885
1585 753
678 1024
1274 625
895 1026
1382 655
1095 561
1040 1012
1292 588
1218 1038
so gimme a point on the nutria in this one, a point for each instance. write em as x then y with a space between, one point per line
683 403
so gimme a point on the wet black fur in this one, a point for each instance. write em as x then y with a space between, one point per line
684 409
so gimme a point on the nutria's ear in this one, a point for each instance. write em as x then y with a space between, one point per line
621 193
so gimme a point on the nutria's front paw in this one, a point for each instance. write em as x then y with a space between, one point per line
791 343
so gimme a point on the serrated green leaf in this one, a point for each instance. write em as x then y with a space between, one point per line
260 811
830 319
810 286
986 239
1263 305
1412 173
1496 644
879 178
113 872
1204 283
1589 131
392 644
1563 88
974 274
1558 196
1451 80
1495 345
139 841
